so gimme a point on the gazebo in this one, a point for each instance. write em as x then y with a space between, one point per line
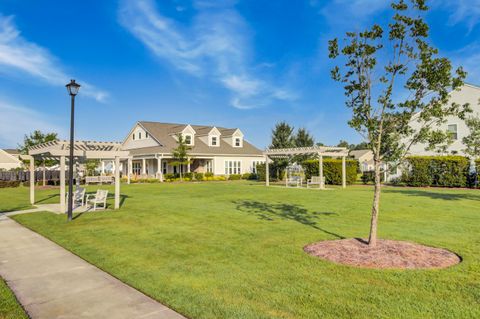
319 151
59 150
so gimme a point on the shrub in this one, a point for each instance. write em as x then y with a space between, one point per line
168 176
332 170
219 178
246 176
188 176
209 175
6 184
442 171
261 172
369 177
198 176
234 177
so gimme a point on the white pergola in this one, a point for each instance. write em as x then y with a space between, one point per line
60 150
320 151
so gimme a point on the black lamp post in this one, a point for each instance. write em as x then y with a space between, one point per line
72 88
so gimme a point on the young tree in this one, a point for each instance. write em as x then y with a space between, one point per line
36 138
282 137
180 154
397 88
343 143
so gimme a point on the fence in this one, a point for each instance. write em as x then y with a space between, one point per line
23 176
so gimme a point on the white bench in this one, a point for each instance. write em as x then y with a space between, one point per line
293 181
92 179
106 179
315 180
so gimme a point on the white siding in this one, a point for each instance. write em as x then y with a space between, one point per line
145 141
245 166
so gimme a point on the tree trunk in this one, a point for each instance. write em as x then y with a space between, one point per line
372 240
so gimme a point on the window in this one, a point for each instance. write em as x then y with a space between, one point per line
254 166
210 166
232 167
139 135
188 139
214 141
136 168
452 130
133 136
146 134
238 142
164 169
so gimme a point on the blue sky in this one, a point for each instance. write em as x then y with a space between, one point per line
246 64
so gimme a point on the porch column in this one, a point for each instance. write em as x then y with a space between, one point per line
267 172
103 168
62 183
32 180
320 171
344 172
117 182
129 169
188 165
159 169
144 167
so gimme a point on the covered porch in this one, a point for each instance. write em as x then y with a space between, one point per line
83 150
157 165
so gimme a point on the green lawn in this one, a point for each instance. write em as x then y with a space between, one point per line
234 250
9 307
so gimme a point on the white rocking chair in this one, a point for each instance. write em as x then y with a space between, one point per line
78 196
99 199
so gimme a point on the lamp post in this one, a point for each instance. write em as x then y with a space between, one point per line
72 89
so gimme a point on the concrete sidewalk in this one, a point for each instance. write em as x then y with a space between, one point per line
51 282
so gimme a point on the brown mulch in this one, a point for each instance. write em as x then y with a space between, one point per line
387 254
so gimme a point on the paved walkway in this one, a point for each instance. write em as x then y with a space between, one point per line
51 282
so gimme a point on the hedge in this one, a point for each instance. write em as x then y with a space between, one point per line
5 184
442 171
332 170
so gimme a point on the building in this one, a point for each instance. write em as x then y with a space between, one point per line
217 150
364 158
9 159
458 129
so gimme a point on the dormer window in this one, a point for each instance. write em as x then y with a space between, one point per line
237 142
214 141
139 135
146 134
188 139
133 136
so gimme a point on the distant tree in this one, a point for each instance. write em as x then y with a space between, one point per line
303 138
343 143
91 165
472 140
359 146
180 154
379 67
282 137
37 138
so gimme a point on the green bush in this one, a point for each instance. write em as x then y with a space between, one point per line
168 176
209 175
369 177
6 184
188 176
198 176
332 170
234 177
261 172
441 171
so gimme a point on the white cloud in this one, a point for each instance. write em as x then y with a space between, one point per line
16 121
215 46
348 12
18 54
461 11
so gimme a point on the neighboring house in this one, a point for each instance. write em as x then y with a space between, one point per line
217 150
468 94
9 159
364 158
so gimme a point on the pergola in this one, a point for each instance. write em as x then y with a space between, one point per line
320 151
59 150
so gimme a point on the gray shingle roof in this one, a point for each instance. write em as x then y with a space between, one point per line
164 133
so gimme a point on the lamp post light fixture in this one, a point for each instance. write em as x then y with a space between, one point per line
72 89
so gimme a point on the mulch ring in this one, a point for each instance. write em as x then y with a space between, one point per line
388 254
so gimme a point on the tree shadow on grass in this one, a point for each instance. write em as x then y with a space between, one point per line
268 212
434 195
109 206
47 198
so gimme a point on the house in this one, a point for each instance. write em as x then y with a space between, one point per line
9 159
458 129
364 158
217 150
